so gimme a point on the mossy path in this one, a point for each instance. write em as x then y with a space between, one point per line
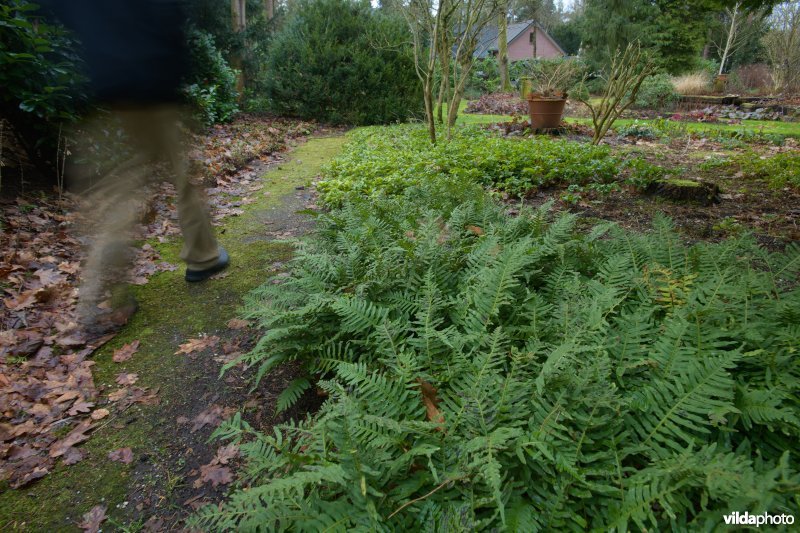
166 452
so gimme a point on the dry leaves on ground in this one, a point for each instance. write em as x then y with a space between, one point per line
198 344
92 520
125 352
122 455
214 472
45 372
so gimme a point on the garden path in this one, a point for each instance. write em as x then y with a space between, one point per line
173 469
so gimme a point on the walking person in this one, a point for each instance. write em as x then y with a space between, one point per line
137 57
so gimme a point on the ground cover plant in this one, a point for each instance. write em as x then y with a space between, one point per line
780 169
491 371
389 160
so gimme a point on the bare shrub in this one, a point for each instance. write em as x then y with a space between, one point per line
755 77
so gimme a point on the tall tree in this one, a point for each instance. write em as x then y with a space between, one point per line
238 24
502 47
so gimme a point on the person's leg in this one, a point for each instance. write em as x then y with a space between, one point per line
110 210
200 249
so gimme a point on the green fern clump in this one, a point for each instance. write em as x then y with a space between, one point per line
489 372
386 161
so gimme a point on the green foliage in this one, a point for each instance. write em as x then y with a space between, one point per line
211 88
657 93
568 35
249 46
386 161
43 86
779 170
487 372
484 78
340 61
640 173
640 130
674 31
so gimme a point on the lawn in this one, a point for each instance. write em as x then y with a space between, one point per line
773 127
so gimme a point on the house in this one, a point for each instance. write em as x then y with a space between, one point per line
526 40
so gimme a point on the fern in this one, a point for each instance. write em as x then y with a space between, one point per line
495 372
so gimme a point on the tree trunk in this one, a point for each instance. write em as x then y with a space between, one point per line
427 95
502 51
444 85
238 23
269 9
458 93
731 36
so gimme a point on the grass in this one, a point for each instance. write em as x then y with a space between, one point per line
787 129
170 312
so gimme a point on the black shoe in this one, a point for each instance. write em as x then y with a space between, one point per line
201 275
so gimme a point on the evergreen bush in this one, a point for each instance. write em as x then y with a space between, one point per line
341 61
657 92
211 87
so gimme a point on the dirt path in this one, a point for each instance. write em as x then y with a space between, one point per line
169 440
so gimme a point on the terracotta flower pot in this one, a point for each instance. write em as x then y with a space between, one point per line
545 112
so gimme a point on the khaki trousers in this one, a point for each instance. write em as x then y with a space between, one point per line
113 204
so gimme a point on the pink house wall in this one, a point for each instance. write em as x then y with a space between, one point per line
522 48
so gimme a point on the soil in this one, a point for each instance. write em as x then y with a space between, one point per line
745 204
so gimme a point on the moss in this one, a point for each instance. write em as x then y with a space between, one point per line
682 183
170 311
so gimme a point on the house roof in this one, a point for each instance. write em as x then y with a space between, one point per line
487 41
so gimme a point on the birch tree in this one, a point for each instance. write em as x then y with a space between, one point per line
739 25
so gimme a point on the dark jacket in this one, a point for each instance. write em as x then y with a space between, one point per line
135 50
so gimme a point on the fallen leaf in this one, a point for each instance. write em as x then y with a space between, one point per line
210 417
72 456
92 520
22 301
125 352
80 406
118 394
431 402
77 435
476 230
122 455
195 345
48 277
237 323
99 414
214 474
226 453
127 379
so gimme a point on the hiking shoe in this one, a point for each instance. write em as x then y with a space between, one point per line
200 275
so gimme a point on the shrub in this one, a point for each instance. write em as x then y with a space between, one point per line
340 61
755 77
657 92
487 372
40 73
211 87
483 79
387 161
698 83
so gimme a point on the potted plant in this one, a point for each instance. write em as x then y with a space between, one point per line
549 82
